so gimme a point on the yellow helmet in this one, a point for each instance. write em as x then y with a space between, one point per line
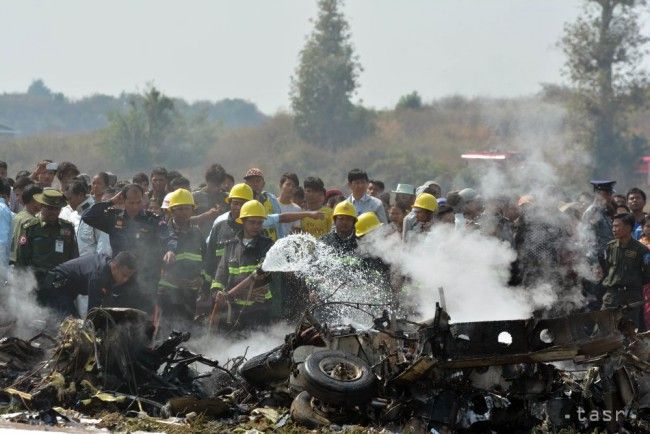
180 197
252 208
426 201
345 208
240 191
366 223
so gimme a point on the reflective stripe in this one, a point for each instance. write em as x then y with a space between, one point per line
189 256
243 269
219 252
206 276
216 284
166 284
242 302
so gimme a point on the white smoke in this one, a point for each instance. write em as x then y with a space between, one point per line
20 315
224 348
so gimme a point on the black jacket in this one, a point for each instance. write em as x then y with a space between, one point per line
87 275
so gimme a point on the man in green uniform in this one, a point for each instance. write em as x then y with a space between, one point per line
47 241
28 214
625 266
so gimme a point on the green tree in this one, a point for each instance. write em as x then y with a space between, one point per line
139 136
604 48
412 101
326 80
126 137
159 112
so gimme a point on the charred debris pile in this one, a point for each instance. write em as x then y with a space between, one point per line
583 372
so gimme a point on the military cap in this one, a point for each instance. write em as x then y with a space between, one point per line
603 185
51 197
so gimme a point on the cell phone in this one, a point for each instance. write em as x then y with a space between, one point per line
52 166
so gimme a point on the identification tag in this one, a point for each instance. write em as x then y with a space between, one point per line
58 246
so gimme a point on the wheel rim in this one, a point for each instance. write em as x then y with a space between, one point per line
341 370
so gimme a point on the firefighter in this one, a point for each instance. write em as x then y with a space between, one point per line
247 302
47 241
424 208
182 273
140 232
95 275
343 238
225 227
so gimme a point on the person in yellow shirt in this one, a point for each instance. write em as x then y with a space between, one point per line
314 201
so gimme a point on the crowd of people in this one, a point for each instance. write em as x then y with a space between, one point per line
192 254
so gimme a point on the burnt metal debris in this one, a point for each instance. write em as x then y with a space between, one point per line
584 371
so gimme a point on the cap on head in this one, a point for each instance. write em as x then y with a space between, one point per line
404 189
240 191
605 185
333 192
345 208
253 172
366 223
51 197
252 208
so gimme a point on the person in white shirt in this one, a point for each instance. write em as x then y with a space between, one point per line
288 184
89 239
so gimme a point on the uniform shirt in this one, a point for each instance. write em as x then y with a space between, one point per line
626 266
145 235
43 246
186 272
368 203
600 223
206 200
87 275
6 218
224 230
17 226
340 244
318 228
241 258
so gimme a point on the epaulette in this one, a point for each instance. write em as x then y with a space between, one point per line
30 223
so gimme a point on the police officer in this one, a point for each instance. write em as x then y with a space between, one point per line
182 273
140 232
95 275
625 266
248 305
47 241
598 216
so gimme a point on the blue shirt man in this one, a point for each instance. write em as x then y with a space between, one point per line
6 218
358 184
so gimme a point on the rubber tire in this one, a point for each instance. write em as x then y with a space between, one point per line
302 412
338 392
267 369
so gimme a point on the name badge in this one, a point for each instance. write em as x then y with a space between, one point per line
58 246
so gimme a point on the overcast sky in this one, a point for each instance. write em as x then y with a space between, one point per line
248 49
